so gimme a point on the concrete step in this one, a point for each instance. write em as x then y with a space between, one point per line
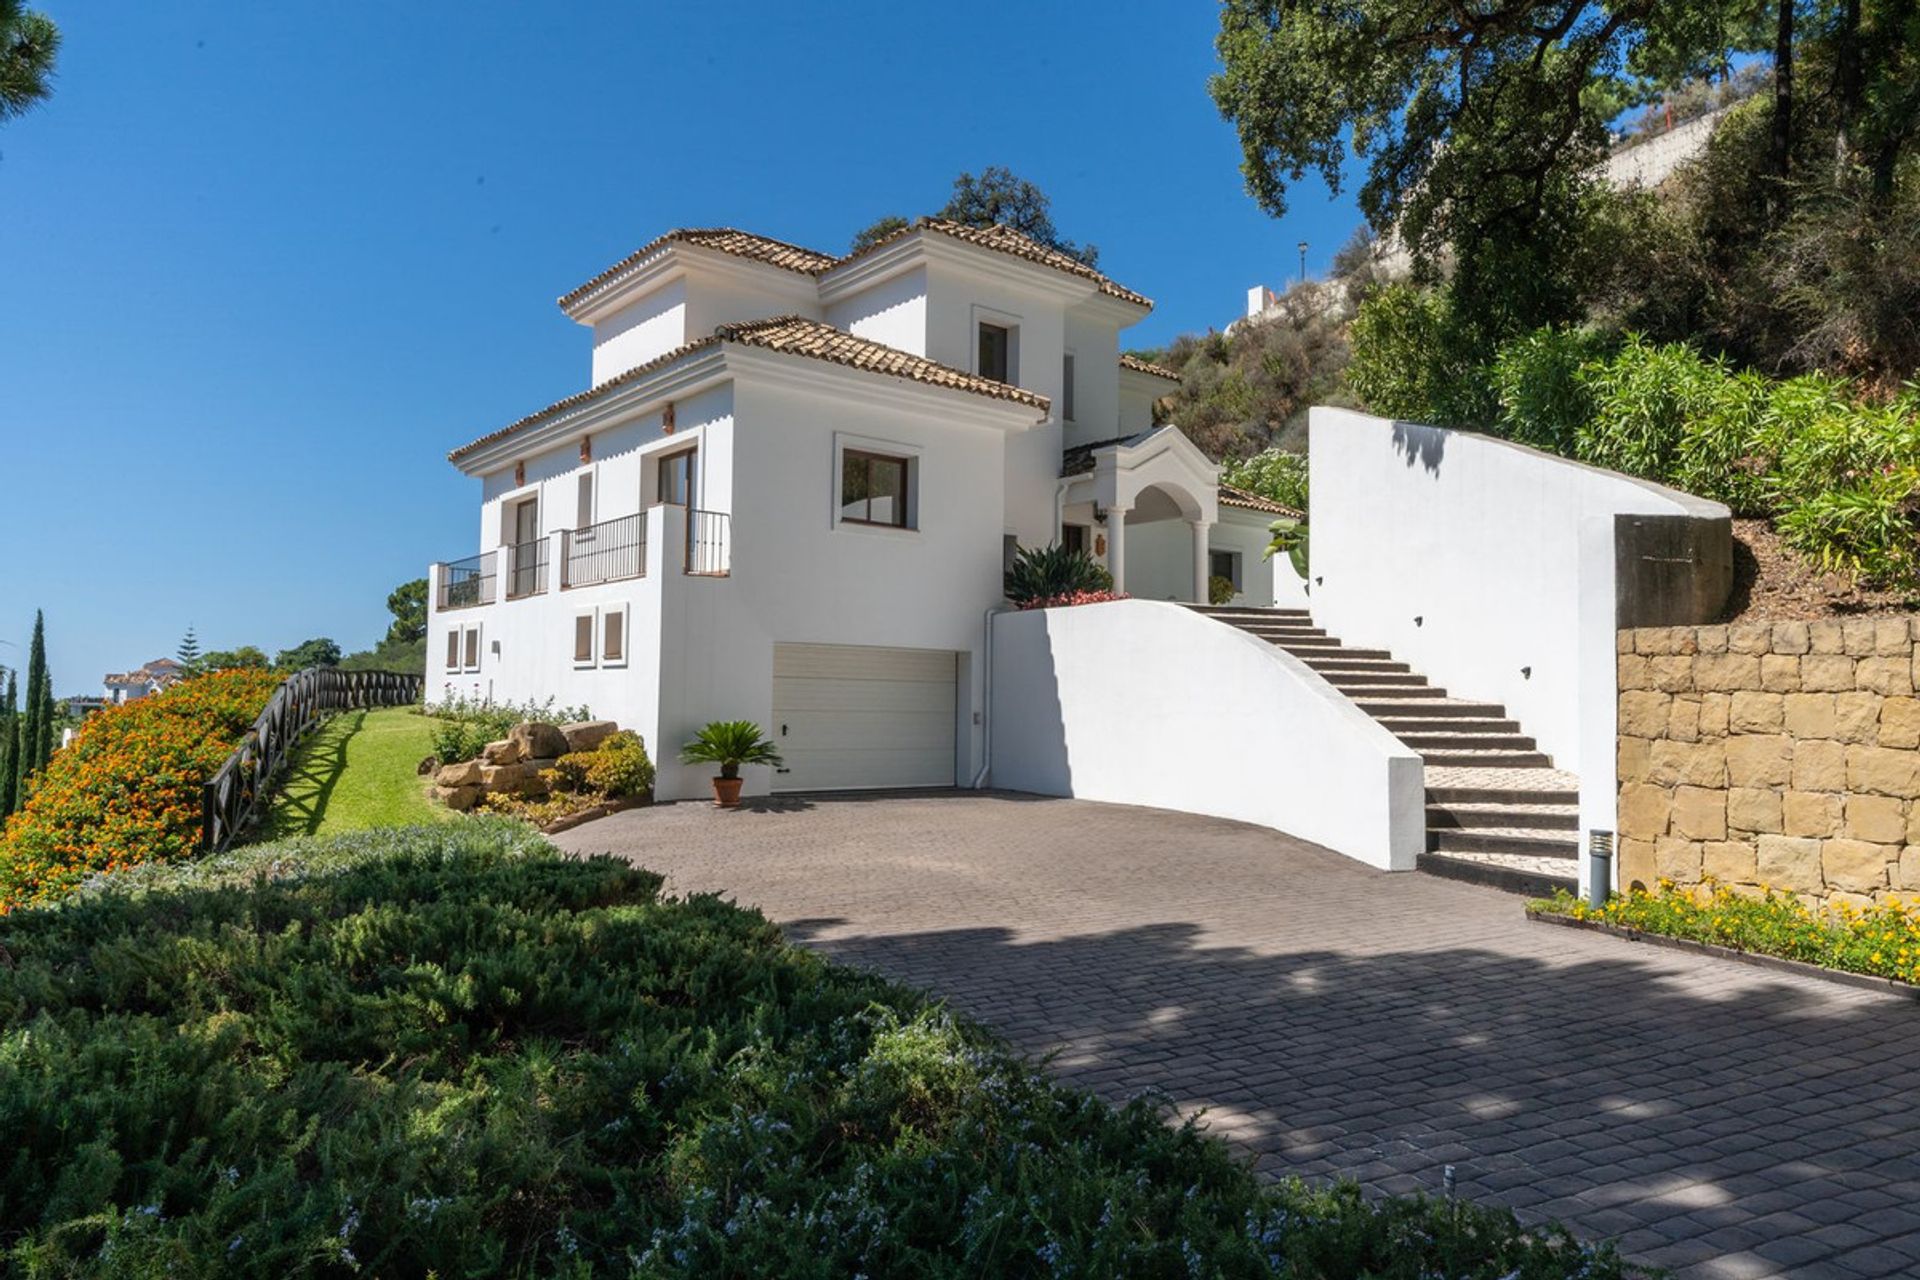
1454 757
1544 844
1445 739
1535 878
1288 635
1348 662
1230 613
1424 704
1402 725
1492 795
1514 816
1395 680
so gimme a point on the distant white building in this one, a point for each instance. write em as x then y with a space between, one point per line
130 686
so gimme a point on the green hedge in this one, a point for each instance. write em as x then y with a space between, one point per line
451 1051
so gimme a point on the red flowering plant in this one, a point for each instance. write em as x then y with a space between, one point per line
1066 598
127 789
1052 576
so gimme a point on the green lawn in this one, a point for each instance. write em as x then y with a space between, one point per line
357 771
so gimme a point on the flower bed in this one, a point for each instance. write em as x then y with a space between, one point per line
450 1050
128 788
1882 941
1069 598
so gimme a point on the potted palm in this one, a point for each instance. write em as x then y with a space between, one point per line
730 744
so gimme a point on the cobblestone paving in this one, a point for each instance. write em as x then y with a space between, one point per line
1715 1118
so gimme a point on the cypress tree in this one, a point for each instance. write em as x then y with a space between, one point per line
9 742
34 727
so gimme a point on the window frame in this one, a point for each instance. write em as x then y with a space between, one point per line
663 459
471 650
999 320
1066 386
1235 561
611 614
592 618
586 496
870 458
456 647
908 455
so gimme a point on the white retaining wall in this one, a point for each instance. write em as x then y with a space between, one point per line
1142 702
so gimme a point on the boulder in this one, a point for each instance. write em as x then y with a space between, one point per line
536 739
505 751
541 762
585 735
427 765
464 774
459 799
509 778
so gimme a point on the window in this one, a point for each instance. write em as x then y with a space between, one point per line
473 648
583 627
1074 538
873 488
1225 564
613 638
1066 387
453 649
584 517
996 352
676 479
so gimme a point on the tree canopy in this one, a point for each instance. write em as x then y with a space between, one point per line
29 46
995 197
318 652
408 605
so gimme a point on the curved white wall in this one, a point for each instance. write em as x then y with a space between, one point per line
1141 702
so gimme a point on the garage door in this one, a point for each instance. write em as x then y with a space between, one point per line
850 716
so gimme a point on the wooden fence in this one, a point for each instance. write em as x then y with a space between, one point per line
231 800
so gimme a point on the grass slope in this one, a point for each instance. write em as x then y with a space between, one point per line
357 771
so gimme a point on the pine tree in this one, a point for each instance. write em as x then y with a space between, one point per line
9 742
189 652
34 729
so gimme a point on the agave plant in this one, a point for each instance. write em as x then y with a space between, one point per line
730 744
1054 571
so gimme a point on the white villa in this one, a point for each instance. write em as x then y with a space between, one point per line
129 686
792 487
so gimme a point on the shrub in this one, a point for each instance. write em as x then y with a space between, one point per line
1544 400
1414 359
468 724
127 790
1870 530
1051 572
1220 590
617 767
450 1051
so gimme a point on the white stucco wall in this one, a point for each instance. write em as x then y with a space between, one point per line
893 312
1486 565
646 328
1138 702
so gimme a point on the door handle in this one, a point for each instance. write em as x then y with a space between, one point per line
783 731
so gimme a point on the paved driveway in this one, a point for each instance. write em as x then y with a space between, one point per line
1714 1117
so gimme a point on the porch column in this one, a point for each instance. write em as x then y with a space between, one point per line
1200 566
1116 546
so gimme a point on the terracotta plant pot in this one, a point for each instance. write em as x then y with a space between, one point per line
726 792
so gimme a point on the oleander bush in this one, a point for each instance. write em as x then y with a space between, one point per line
450 1051
127 790
465 725
1883 940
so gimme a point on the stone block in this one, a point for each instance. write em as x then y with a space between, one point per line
1859 902
1637 866
1856 716
538 739
1653 640
1820 766
1809 715
1683 720
1825 671
1760 760
464 774
1824 637
1884 675
1900 723
509 779
1677 859
1704 640
1913 823
1750 637
1790 637
504 751
1643 713
1700 813
1884 771
1754 809
1729 862
1881 819
1623 640
1643 810
459 799
1778 673
1695 764
1789 863
1813 814
1906 872
1632 759
1753 712
1726 671
1890 637
1856 865
1631 672
585 735
1713 714
1673 673
1857 636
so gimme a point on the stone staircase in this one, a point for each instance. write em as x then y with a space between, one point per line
1498 812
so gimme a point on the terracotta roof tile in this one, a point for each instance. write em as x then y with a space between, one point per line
1237 497
1007 240
1138 365
741 244
790 335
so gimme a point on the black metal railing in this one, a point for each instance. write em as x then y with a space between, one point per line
708 555
466 583
231 801
604 552
526 568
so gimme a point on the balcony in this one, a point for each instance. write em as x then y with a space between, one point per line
466 583
604 552
709 554
526 568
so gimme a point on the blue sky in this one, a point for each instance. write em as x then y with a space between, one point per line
264 264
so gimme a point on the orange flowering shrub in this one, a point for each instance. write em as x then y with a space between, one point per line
127 790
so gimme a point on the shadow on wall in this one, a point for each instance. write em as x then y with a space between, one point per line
1422 444
1650 1090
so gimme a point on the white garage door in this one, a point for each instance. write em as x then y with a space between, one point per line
849 716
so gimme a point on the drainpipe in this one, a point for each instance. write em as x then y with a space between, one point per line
986 703
1060 507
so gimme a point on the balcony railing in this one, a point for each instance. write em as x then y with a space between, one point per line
526 568
708 555
466 583
604 552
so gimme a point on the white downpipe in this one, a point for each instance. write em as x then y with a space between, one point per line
986 704
1060 507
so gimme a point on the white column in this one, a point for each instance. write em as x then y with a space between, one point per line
1200 574
1116 546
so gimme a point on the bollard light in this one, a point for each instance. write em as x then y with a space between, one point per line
1599 867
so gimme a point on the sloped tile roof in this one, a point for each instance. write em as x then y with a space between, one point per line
1138 365
1008 241
741 244
1237 497
790 335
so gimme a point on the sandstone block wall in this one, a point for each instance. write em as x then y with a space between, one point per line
1783 754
